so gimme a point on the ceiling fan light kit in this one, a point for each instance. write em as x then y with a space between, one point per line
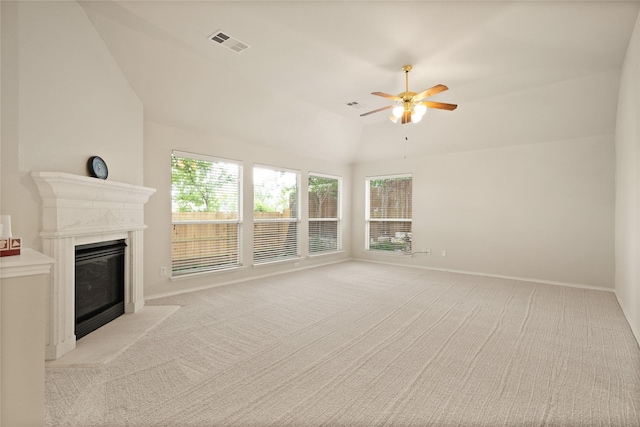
410 106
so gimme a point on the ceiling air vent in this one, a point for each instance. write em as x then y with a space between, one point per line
356 105
228 41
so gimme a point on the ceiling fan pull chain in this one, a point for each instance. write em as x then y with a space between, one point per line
406 139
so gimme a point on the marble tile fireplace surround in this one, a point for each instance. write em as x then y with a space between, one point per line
78 210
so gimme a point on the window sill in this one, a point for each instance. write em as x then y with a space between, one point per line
280 261
328 253
206 273
387 253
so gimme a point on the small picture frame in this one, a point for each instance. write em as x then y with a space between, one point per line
10 246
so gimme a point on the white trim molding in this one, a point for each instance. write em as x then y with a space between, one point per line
499 276
28 263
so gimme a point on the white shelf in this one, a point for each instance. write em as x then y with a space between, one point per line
28 263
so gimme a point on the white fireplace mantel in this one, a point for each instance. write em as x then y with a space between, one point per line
78 205
78 210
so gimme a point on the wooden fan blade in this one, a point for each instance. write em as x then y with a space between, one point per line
429 92
439 105
386 95
375 111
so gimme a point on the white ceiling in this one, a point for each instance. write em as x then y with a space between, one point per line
521 72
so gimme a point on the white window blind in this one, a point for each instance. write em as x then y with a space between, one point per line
206 195
324 213
388 213
275 214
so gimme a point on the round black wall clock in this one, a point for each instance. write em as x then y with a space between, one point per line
97 167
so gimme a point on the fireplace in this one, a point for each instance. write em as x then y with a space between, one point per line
76 211
99 285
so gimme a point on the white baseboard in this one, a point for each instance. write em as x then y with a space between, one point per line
475 273
634 329
231 282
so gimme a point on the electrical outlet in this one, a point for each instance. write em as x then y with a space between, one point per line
163 271
427 251
444 253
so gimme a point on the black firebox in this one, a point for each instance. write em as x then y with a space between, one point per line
99 285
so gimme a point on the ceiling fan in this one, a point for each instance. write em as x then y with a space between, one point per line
410 106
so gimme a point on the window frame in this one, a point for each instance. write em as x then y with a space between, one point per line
337 219
369 220
291 220
239 222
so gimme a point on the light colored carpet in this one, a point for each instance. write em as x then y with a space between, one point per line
362 344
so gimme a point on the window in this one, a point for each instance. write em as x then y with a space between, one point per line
206 195
324 214
275 214
388 216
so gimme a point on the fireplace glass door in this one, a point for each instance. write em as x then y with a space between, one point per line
99 285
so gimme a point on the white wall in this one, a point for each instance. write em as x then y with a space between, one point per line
540 211
627 231
64 99
159 141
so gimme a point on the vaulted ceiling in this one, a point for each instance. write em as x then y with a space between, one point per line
521 72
